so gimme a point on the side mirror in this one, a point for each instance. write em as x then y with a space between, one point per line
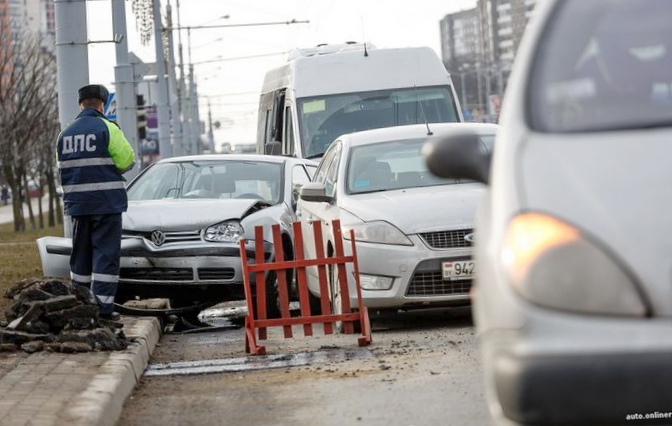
273 148
314 192
459 156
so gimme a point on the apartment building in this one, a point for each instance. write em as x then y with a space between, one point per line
480 44
29 17
460 37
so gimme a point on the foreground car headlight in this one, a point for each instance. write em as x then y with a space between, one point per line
377 232
553 264
229 231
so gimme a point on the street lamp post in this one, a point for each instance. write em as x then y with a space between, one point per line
162 107
463 70
192 117
464 91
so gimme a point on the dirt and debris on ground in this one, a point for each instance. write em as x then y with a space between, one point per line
54 315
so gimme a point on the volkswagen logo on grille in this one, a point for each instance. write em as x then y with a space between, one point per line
470 238
158 238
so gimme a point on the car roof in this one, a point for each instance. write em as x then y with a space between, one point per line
416 131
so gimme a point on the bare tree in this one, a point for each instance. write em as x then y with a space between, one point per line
28 116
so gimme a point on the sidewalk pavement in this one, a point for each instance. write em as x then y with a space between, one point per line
84 389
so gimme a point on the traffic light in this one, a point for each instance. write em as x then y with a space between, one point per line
141 117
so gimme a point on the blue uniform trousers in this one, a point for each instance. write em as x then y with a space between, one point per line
96 249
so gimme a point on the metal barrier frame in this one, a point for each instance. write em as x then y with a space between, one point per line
299 265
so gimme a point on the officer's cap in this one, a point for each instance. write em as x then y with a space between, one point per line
93 91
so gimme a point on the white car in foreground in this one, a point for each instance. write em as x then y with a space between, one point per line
413 231
573 298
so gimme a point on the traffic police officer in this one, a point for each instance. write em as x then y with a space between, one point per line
92 153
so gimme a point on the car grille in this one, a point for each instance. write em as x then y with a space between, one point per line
447 239
157 274
176 237
171 237
206 274
433 284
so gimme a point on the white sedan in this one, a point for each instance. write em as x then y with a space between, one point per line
413 231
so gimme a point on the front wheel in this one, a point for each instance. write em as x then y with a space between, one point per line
337 300
336 297
272 298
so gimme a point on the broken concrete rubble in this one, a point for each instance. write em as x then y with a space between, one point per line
54 315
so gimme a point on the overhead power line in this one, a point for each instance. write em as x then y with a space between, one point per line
257 24
238 58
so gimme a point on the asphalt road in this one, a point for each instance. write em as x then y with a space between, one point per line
421 369
7 215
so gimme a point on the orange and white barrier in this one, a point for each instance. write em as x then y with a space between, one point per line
257 320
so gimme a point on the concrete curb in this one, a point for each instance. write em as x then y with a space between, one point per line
102 402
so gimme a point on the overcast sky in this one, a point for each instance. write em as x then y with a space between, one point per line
233 85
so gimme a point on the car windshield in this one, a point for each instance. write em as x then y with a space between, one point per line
209 179
605 65
394 165
322 119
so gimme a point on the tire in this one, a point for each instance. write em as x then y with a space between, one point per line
272 298
335 297
315 304
337 301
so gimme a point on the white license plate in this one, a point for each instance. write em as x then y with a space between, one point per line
459 270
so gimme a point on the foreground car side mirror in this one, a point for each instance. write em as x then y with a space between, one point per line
459 156
314 192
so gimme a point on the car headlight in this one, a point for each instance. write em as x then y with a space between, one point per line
553 264
229 231
377 232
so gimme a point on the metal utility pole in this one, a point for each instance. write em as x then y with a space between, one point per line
464 90
479 88
189 113
181 98
211 136
162 112
124 86
195 114
71 49
72 56
189 93
177 134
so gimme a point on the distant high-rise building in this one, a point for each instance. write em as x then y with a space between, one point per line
484 40
489 34
509 24
49 23
460 36
35 17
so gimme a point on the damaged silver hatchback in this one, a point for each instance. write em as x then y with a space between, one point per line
185 218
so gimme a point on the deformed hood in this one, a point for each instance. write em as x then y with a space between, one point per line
182 215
